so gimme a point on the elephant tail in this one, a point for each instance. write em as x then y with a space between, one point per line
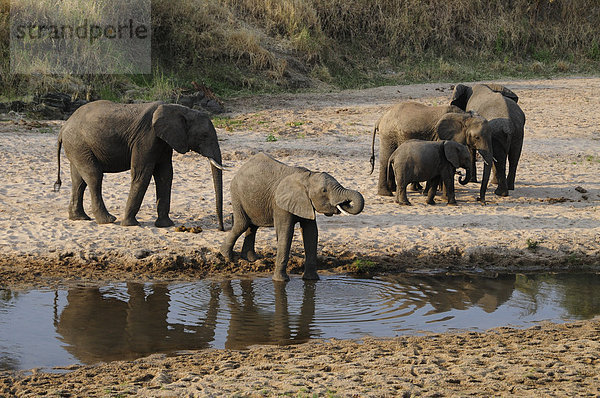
58 182
389 170
372 160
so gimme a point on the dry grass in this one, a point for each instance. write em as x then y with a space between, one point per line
256 43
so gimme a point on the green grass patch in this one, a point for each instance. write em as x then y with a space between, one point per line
362 266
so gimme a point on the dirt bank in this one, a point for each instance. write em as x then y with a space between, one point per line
546 360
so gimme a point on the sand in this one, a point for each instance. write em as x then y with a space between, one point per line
550 222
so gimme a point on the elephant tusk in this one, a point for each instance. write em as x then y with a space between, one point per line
217 165
344 212
495 160
486 163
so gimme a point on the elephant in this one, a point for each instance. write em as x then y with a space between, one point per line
431 161
266 193
506 119
413 120
105 137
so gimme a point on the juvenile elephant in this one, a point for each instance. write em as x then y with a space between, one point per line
105 137
413 120
506 120
431 161
266 193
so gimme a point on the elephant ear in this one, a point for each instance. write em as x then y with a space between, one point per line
461 96
452 150
450 127
169 124
504 91
292 195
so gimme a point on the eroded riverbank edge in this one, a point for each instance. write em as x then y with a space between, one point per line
58 268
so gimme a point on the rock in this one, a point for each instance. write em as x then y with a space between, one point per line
60 101
141 253
580 189
3 107
47 111
16 106
214 107
199 95
77 104
186 100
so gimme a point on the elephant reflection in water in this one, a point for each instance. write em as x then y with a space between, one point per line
445 293
249 324
98 327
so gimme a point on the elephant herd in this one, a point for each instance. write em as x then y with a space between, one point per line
417 143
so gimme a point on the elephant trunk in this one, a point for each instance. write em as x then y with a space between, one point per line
487 168
464 180
217 175
349 201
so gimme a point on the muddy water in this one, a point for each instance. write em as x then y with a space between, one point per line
53 328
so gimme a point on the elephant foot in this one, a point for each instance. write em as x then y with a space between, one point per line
227 253
79 216
501 192
280 276
452 203
310 276
130 222
163 222
431 202
511 187
407 203
250 256
384 192
105 218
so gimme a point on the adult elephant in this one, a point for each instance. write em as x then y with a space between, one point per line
266 193
105 137
412 120
506 120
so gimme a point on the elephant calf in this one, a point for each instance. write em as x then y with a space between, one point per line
266 193
431 161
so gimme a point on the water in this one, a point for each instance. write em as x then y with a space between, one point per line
54 328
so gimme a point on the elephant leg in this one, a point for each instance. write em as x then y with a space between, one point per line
502 189
386 148
92 175
163 178
140 178
433 185
415 186
241 223
310 236
449 191
401 197
248 252
473 165
76 211
284 228
514 154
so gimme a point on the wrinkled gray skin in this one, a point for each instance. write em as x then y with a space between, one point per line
434 162
266 193
499 106
105 137
413 120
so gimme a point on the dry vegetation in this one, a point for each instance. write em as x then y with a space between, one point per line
288 44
